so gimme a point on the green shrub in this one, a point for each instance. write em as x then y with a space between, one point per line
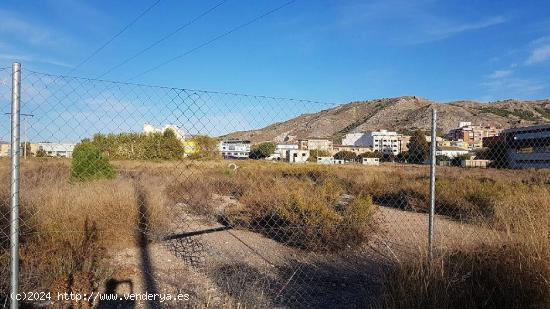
140 146
345 155
262 150
314 153
306 210
543 111
206 148
90 164
419 148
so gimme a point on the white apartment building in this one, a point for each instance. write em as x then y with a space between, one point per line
383 141
62 150
355 139
235 149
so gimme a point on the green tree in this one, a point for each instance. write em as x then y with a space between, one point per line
262 150
419 148
496 152
402 157
457 161
345 155
89 163
206 147
139 146
442 158
388 157
41 153
314 153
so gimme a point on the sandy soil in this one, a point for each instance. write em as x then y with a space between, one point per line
227 267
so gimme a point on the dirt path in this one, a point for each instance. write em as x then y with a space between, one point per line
220 266
406 233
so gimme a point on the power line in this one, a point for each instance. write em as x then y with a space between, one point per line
213 39
95 52
161 39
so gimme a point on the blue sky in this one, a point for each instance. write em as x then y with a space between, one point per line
335 51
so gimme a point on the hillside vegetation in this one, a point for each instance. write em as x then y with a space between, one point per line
400 114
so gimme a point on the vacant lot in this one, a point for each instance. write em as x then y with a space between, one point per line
267 234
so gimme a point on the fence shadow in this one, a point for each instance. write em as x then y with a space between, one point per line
149 282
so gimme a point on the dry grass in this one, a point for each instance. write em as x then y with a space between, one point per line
299 206
510 275
69 228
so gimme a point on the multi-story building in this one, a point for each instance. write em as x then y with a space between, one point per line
355 139
235 149
472 134
527 147
383 141
355 149
459 144
61 150
315 144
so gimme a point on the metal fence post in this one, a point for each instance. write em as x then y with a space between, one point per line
15 156
433 148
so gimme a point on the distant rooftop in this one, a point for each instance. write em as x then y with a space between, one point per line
529 128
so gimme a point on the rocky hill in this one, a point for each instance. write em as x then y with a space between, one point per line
401 114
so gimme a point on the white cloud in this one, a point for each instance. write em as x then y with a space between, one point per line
539 54
29 32
500 74
468 26
510 87
410 22
33 58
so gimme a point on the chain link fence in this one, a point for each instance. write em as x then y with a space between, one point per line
133 189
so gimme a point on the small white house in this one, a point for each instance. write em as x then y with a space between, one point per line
339 161
450 151
325 160
371 161
297 155
281 151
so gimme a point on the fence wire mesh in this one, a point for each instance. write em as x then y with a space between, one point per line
129 188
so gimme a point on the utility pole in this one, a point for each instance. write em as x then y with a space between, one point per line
25 133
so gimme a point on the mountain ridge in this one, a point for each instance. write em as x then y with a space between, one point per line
404 113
